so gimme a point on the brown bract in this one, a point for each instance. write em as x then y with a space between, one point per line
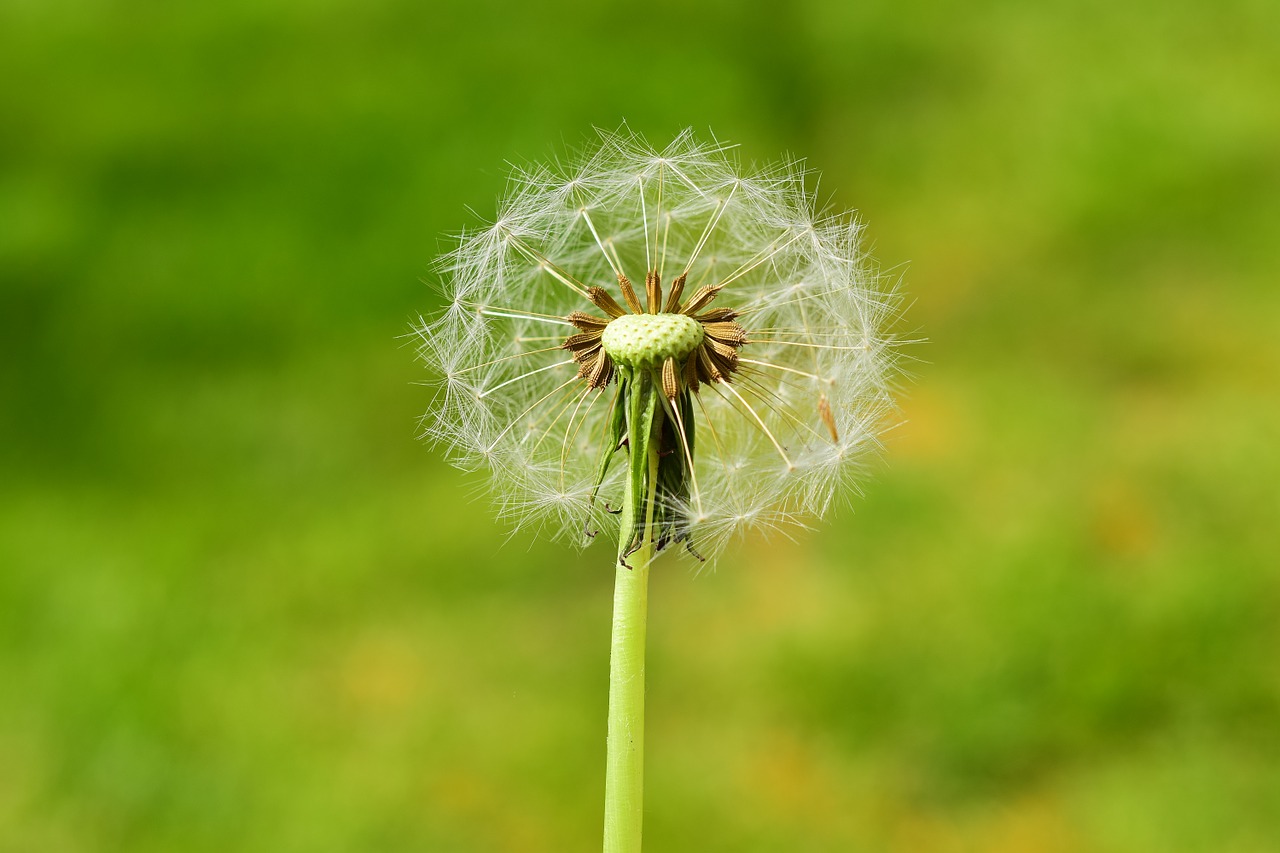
714 360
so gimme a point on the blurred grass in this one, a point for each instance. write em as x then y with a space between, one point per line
243 609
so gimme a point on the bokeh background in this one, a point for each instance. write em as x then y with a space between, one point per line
242 608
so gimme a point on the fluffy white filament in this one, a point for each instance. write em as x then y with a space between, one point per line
774 447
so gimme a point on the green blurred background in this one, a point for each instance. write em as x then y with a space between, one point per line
241 608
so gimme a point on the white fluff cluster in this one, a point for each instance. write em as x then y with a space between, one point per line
774 445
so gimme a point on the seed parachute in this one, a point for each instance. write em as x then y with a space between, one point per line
756 362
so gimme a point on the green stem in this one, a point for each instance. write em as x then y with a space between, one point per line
624 773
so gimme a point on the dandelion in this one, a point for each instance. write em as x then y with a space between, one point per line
667 348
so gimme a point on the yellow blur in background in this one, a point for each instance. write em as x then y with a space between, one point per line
241 608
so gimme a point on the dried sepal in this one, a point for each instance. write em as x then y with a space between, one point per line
691 378
730 334
606 303
677 290
716 315
587 322
629 294
653 291
701 299
670 381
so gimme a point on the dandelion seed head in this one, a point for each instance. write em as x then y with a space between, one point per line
775 319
